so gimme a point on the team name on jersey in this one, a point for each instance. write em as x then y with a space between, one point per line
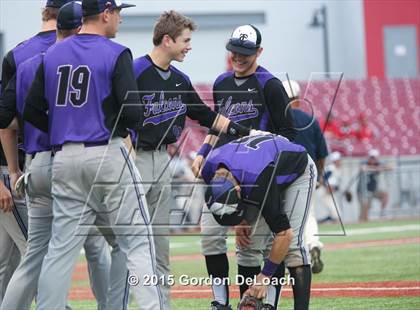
237 111
160 111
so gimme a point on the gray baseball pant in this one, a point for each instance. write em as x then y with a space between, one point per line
13 234
97 186
154 169
23 285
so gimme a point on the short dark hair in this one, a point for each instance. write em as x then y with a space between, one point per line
49 13
171 23
64 33
91 18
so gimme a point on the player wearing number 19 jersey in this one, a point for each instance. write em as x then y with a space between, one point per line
94 180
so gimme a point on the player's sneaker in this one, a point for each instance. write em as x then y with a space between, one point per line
215 305
317 264
267 307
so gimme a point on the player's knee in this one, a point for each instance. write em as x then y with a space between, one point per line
249 258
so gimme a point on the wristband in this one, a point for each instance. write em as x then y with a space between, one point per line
235 129
269 268
204 150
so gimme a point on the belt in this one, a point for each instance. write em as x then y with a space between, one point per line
162 147
34 154
57 148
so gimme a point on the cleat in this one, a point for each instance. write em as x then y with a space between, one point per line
317 264
215 305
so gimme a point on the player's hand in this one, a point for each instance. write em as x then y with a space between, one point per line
243 234
197 164
13 179
258 289
6 201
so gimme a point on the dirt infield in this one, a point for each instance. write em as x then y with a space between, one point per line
353 289
328 247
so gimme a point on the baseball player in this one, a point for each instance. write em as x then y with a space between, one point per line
13 213
277 186
94 180
168 97
23 285
333 184
369 186
253 97
310 136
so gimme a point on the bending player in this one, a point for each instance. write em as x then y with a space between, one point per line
277 186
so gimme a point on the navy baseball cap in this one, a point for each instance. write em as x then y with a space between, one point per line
70 16
245 40
56 3
223 202
94 7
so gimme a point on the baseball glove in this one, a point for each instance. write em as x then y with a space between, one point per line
348 196
250 303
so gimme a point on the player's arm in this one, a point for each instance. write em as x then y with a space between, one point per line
125 89
277 104
266 191
321 151
198 110
6 201
209 142
8 104
9 141
9 136
36 106
8 69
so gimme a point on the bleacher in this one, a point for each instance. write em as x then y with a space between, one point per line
375 113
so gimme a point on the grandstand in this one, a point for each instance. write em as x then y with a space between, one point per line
388 108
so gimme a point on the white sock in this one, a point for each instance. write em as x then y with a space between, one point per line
271 295
220 293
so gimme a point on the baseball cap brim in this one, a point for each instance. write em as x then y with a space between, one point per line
241 50
125 5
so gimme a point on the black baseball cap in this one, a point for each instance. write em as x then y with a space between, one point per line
222 200
56 3
70 16
245 40
94 7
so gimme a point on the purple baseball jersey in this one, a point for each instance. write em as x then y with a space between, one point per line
34 140
78 78
247 157
33 46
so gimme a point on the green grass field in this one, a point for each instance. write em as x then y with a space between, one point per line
375 263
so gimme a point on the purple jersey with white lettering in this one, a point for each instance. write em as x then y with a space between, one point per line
167 102
78 79
250 102
34 140
247 157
